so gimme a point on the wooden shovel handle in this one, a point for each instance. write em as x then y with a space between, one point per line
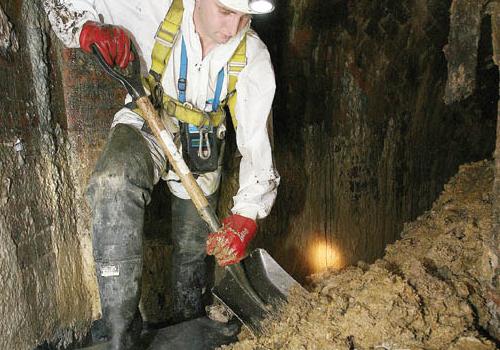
166 142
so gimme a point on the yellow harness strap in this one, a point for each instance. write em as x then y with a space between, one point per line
165 38
186 113
236 64
164 41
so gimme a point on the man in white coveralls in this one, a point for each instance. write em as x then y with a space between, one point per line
201 56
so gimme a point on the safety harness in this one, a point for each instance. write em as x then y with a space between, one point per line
165 39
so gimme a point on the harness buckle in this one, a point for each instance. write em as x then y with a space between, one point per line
165 42
181 84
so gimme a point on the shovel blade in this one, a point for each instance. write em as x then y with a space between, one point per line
254 289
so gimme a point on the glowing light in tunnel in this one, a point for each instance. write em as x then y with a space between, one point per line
324 255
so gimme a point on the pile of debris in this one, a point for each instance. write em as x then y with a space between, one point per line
432 289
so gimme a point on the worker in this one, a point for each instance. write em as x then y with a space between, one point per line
214 60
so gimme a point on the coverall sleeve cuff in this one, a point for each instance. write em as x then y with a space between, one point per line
250 212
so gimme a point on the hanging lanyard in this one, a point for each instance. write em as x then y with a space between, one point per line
181 83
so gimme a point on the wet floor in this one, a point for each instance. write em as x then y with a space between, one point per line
199 334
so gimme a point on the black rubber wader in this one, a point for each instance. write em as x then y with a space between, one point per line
118 192
189 268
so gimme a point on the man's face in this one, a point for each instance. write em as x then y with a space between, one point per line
217 23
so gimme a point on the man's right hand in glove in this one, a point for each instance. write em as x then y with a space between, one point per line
112 41
228 245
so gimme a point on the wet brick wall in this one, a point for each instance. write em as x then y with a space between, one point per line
43 287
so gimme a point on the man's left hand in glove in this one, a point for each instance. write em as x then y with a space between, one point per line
228 245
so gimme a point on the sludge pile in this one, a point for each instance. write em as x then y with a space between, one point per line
430 291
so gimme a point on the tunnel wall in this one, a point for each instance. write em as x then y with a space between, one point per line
58 108
364 140
43 281
494 287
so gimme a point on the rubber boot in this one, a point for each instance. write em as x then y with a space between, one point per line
189 268
118 192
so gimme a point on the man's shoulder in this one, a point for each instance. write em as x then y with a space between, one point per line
252 35
254 42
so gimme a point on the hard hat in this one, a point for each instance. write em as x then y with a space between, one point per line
253 7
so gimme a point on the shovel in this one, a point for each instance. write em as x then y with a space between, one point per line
252 288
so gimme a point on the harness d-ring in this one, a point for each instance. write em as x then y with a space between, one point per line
204 130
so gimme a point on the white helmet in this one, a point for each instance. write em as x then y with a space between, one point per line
250 6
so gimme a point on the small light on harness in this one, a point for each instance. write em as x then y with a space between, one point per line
261 6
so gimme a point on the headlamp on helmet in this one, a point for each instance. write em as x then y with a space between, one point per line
253 7
261 6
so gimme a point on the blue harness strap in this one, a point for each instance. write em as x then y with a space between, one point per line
218 89
182 82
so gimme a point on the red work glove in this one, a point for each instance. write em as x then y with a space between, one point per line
112 41
230 242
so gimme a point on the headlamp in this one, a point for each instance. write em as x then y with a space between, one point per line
261 6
